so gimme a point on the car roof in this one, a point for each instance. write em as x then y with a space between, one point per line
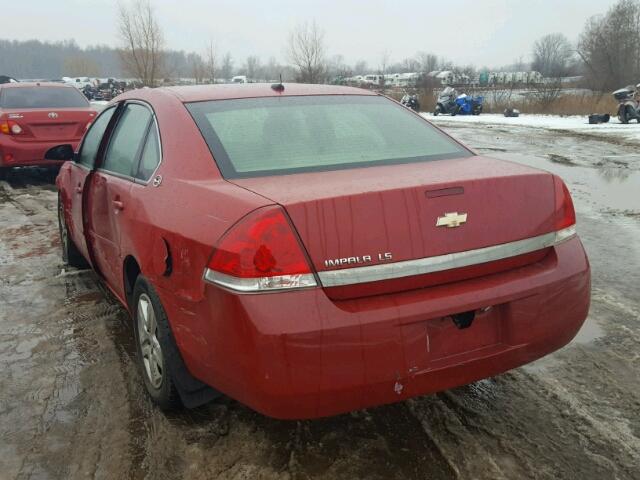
200 93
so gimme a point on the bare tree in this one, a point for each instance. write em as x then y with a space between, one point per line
142 52
609 46
385 57
361 67
226 67
552 55
252 67
410 65
338 69
546 93
428 61
210 61
272 70
197 67
306 51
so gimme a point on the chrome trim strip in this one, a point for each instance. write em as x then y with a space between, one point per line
386 271
262 284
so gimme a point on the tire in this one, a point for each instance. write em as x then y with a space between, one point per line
53 173
70 254
158 354
623 114
3 173
437 111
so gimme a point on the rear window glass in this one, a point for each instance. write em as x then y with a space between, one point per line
279 135
42 97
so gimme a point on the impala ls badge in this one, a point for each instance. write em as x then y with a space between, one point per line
53 115
452 220
340 262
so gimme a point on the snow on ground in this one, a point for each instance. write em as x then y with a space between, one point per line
98 104
614 130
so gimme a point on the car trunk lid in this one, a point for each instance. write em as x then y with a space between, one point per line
370 216
49 124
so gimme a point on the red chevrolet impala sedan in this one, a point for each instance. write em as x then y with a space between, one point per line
311 250
37 116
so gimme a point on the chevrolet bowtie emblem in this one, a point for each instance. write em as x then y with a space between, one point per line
452 220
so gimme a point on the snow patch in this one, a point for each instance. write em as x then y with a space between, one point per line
576 124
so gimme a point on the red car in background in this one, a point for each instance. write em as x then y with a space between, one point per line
35 117
311 250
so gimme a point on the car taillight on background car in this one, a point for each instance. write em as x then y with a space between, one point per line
9 127
260 253
565 214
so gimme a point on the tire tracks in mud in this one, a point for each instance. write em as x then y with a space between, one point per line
53 431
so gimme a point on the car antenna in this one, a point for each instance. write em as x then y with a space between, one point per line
278 87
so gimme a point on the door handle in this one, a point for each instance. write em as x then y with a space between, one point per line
118 205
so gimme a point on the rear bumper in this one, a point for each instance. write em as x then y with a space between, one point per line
301 355
15 153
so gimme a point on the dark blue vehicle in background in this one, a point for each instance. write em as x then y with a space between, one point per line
449 102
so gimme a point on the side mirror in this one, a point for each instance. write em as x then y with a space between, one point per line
60 153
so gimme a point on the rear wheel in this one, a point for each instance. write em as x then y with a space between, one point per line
70 253
437 111
157 351
3 172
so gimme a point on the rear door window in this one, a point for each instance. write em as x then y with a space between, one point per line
127 140
150 154
93 138
42 97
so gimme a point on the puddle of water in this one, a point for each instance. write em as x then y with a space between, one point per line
589 332
613 189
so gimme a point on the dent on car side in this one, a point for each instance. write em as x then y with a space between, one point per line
304 354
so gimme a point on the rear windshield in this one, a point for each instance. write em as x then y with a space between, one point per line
42 97
279 135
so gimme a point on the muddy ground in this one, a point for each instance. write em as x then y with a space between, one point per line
72 404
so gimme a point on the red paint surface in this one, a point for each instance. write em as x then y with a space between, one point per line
317 352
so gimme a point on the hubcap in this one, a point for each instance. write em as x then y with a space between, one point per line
149 345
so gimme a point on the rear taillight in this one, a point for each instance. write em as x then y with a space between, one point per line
565 214
10 128
260 253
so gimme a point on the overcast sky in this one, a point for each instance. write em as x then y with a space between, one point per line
482 32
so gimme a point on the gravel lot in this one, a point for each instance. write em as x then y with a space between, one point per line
72 404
